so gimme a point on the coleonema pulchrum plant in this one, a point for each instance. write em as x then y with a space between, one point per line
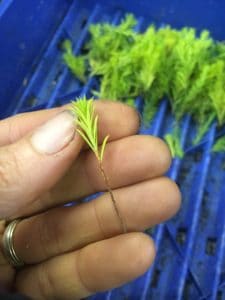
184 66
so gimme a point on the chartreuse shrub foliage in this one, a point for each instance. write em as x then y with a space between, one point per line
186 67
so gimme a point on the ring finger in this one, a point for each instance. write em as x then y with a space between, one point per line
100 266
66 229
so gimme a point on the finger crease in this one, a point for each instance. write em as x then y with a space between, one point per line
94 189
101 228
87 290
44 283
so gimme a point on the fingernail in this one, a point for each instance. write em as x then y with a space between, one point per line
55 134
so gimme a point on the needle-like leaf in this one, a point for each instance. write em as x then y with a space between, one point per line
87 124
103 147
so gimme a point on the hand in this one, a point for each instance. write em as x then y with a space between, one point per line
72 252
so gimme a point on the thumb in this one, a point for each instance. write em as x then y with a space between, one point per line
35 163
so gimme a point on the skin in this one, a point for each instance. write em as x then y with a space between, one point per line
72 252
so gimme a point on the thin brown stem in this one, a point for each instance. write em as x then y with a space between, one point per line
106 180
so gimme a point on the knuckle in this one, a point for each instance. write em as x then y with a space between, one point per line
4 176
79 271
98 220
13 129
48 235
43 237
10 170
45 282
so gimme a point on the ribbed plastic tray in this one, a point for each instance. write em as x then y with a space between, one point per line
190 262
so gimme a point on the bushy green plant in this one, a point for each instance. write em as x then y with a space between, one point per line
186 67
219 145
76 64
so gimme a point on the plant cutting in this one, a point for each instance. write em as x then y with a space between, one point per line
87 127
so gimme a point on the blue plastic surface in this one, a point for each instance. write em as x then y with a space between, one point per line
190 261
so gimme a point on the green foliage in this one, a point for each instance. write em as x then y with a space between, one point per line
87 123
173 142
187 57
203 129
130 102
217 90
219 145
76 64
186 67
106 40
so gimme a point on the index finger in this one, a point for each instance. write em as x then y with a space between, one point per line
116 119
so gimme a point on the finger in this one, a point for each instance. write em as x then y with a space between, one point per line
7 273
32 165
127 161
111 115
16 127
97 267
49 234
49 150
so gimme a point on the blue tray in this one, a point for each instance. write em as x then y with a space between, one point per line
190 261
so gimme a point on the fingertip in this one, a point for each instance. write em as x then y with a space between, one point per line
169 198
123 119
174 196
164 155
134 115
110 263
152 154
142 253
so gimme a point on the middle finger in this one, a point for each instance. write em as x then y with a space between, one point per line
126 161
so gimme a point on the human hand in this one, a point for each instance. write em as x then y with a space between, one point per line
72 252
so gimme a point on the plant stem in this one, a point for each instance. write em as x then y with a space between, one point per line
106 180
